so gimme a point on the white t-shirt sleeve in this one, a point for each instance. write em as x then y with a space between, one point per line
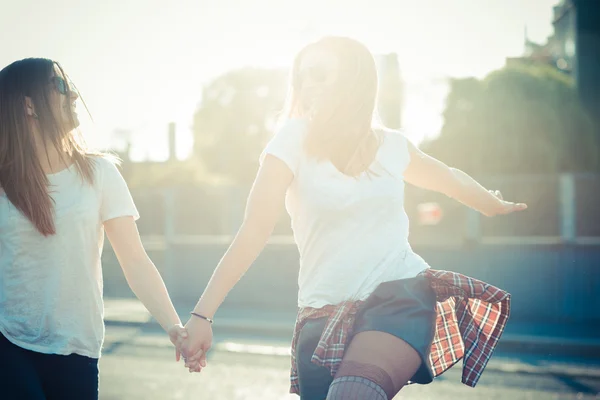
398 150
287 144
116 200
404 151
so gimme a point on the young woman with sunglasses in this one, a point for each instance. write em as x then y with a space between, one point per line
57 198
372 315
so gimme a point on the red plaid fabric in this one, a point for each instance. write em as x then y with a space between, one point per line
471 316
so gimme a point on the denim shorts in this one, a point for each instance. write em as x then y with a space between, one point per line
404 308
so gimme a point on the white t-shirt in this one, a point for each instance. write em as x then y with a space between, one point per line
352 233
51 287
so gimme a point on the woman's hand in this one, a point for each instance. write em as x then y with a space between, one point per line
177 335
198 343
505 207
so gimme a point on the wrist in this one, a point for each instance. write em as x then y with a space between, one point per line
171 325
175 323
493 207
202 317
204 309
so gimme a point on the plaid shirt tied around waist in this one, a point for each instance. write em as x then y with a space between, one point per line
471 316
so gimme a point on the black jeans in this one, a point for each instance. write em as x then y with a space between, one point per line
28 375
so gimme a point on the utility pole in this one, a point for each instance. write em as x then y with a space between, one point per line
172 142
389 102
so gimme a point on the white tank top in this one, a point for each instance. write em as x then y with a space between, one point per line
352 233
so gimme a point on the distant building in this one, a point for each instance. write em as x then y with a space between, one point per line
563 41
533 53
559 51
573 47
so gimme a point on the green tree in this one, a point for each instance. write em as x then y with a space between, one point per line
235 120
520 119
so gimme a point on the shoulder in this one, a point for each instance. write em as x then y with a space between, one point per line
104 161
106 167
286 143
288 136
397 148
393 134
292 128
397 138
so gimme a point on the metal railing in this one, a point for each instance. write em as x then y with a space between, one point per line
563 209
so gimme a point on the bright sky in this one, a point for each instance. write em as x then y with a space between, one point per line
142 63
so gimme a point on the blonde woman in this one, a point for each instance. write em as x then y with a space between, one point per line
372 315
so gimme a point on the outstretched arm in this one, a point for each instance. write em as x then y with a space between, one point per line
429 173
264 206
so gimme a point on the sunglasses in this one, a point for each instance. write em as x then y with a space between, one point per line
61 85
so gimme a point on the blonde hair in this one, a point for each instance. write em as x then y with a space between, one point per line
341 126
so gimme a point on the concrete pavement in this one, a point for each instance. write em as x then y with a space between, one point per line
518 351
138 364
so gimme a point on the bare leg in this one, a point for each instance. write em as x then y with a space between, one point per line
376 366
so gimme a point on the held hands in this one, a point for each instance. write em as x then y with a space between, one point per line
503 207
192 341
177 335
198 343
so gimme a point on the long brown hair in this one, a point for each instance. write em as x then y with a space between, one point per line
341 126
21 175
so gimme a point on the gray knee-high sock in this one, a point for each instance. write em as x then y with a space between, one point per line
355 388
